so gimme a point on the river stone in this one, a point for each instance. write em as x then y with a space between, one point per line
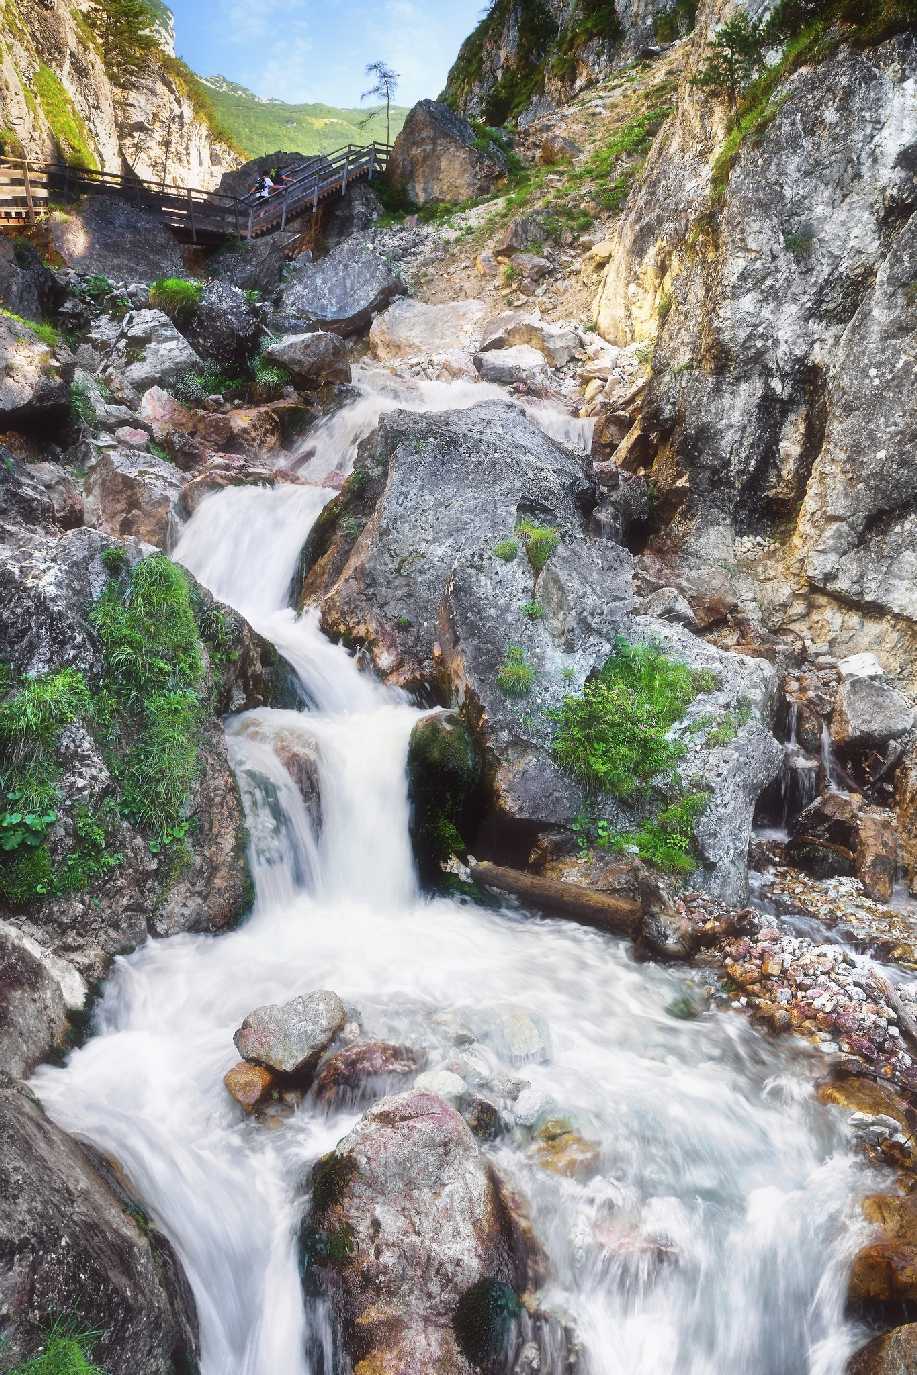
250 1085
426 1218
438 157
518 1037
342 292
38 994
318 356
74 1242
290 1037
883 1276
363 1071
558 343
442 1082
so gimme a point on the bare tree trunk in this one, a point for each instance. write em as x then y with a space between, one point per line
620 916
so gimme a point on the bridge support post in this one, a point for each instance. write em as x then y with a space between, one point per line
346 164
28 192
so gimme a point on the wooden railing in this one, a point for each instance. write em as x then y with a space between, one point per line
27 190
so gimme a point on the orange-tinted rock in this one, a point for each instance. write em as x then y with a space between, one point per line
894 1353
249 1085
364 1071
859 1094
884 1273
563 1151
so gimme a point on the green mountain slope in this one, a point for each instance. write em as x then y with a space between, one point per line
271 126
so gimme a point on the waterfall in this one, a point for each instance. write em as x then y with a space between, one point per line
799 773
714 1236
828 762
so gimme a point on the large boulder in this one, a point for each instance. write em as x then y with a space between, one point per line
291 1038
840 834
110 237
419 561
75 1243
225 326
353 213
341 292
869 711
318 356
27 287
407 1220
108 895
438 157
33 386
518 364
66 497
558 343
413 329
883 1276
133 494
149 351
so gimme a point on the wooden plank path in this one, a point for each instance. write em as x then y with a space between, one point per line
28 189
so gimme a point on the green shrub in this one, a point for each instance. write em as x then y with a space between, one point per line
70 131
176 297
150 702
516 675
540 542
197 384
735 55
613 737
124 31
675 22
507 550
270 379
668 841
533 610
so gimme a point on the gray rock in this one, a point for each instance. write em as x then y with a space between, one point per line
517 1036
109 236
427 1218
869 711
341 292
290 1037
520 363
38 993
66 497
438 157
669 605
132 494
318 356
27 287
33 385
415 329
149 351
225 326
558 343
74 1241
23 500
442 1082
353 213
256 264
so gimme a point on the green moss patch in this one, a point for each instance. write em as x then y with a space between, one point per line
176 297
444 772
70 131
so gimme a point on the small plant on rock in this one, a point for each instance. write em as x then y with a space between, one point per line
540 542
533 610
516 675
81 405
507 550
176 297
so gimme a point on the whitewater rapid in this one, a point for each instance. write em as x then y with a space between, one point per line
714 1151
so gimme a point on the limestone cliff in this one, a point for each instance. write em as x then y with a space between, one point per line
526 55
772 275
57 100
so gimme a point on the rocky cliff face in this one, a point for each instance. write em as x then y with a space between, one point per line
526 55
776 294
58 101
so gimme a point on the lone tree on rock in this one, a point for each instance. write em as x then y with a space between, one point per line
384 89
126 30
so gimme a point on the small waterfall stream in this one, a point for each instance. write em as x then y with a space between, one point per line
714 1237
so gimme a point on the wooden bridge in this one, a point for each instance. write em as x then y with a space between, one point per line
28 190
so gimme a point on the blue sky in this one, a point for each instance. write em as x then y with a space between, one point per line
305 50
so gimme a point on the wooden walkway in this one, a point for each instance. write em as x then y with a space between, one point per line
28 189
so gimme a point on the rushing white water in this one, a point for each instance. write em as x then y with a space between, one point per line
714 1236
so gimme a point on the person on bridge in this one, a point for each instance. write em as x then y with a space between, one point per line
264 189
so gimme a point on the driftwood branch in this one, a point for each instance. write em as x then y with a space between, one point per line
620 916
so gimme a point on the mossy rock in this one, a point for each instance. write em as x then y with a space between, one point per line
444 776
484 1323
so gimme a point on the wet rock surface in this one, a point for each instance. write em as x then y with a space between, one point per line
341 292
425 1219
73 1240
292 1037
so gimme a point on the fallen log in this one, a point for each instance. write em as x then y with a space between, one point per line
619 916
